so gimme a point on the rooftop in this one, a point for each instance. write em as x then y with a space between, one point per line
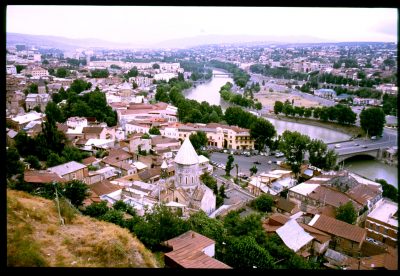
186 154
384 212
67 168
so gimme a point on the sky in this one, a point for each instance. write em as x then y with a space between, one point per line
152 24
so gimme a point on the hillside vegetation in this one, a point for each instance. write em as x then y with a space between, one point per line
35 237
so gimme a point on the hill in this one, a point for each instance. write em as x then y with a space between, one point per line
35 237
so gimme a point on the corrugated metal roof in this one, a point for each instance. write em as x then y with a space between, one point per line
293 235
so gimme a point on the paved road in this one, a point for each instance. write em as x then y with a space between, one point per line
245 163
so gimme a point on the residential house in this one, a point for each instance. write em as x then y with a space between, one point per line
295 238
95 132
192 250
19 122
346 238
71 170
42 177
382 222
34 100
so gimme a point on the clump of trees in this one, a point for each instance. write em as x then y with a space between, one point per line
92 104
99 73
372 120
189 111
339 113
211 183
389 191
279 72
347 213
238 99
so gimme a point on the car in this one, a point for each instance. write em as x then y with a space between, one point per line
373 138
356 144
364 146
337 146
270 162
279 154
257 162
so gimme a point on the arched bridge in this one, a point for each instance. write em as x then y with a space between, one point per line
373 148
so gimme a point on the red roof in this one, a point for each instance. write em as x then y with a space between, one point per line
188 251
340 228
42 177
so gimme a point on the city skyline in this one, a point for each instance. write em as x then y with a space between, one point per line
150 25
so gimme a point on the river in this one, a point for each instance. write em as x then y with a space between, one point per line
371 169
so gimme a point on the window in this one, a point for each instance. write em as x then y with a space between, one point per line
73 175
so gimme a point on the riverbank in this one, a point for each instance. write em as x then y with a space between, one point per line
353 131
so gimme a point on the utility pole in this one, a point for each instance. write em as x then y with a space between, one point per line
58 205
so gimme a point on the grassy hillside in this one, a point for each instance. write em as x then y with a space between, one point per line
35 237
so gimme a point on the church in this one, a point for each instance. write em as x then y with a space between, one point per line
185 191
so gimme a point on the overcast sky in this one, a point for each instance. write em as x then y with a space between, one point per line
153 24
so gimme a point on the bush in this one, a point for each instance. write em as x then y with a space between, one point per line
263 203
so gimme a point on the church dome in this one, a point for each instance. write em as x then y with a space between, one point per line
186 154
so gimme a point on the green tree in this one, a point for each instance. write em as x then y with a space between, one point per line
158 225
346 213
209 227
253 170
34 162
55 112
76 191
320 156
62 73
389 191
133 72
156 66
246 253
262 131
263 203
54 159
372 120
294 145
32 88
96 209
229 165
278 107
134 85
19 68
154 131
198 140
13 164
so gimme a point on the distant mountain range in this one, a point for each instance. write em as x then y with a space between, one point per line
64 43
238 39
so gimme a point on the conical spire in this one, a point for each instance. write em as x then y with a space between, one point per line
186 154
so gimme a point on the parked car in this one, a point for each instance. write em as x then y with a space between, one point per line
337 146
279 154
257 162
373 138
364 147
356 144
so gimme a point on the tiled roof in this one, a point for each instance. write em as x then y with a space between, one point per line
42 177
89 160
338 228
187 251
95 130
331 196
362 193
104 187
149 173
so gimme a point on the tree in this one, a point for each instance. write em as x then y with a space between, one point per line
96 209
154 131
62 73
76 191
263 203
389 191
320 156
198 140
19 68
253 170
262 131
32 88
278 107
158 225
372 120
13 164
347 213
293 145
229 165
156 66
33 161
133 72
54 111
134 85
